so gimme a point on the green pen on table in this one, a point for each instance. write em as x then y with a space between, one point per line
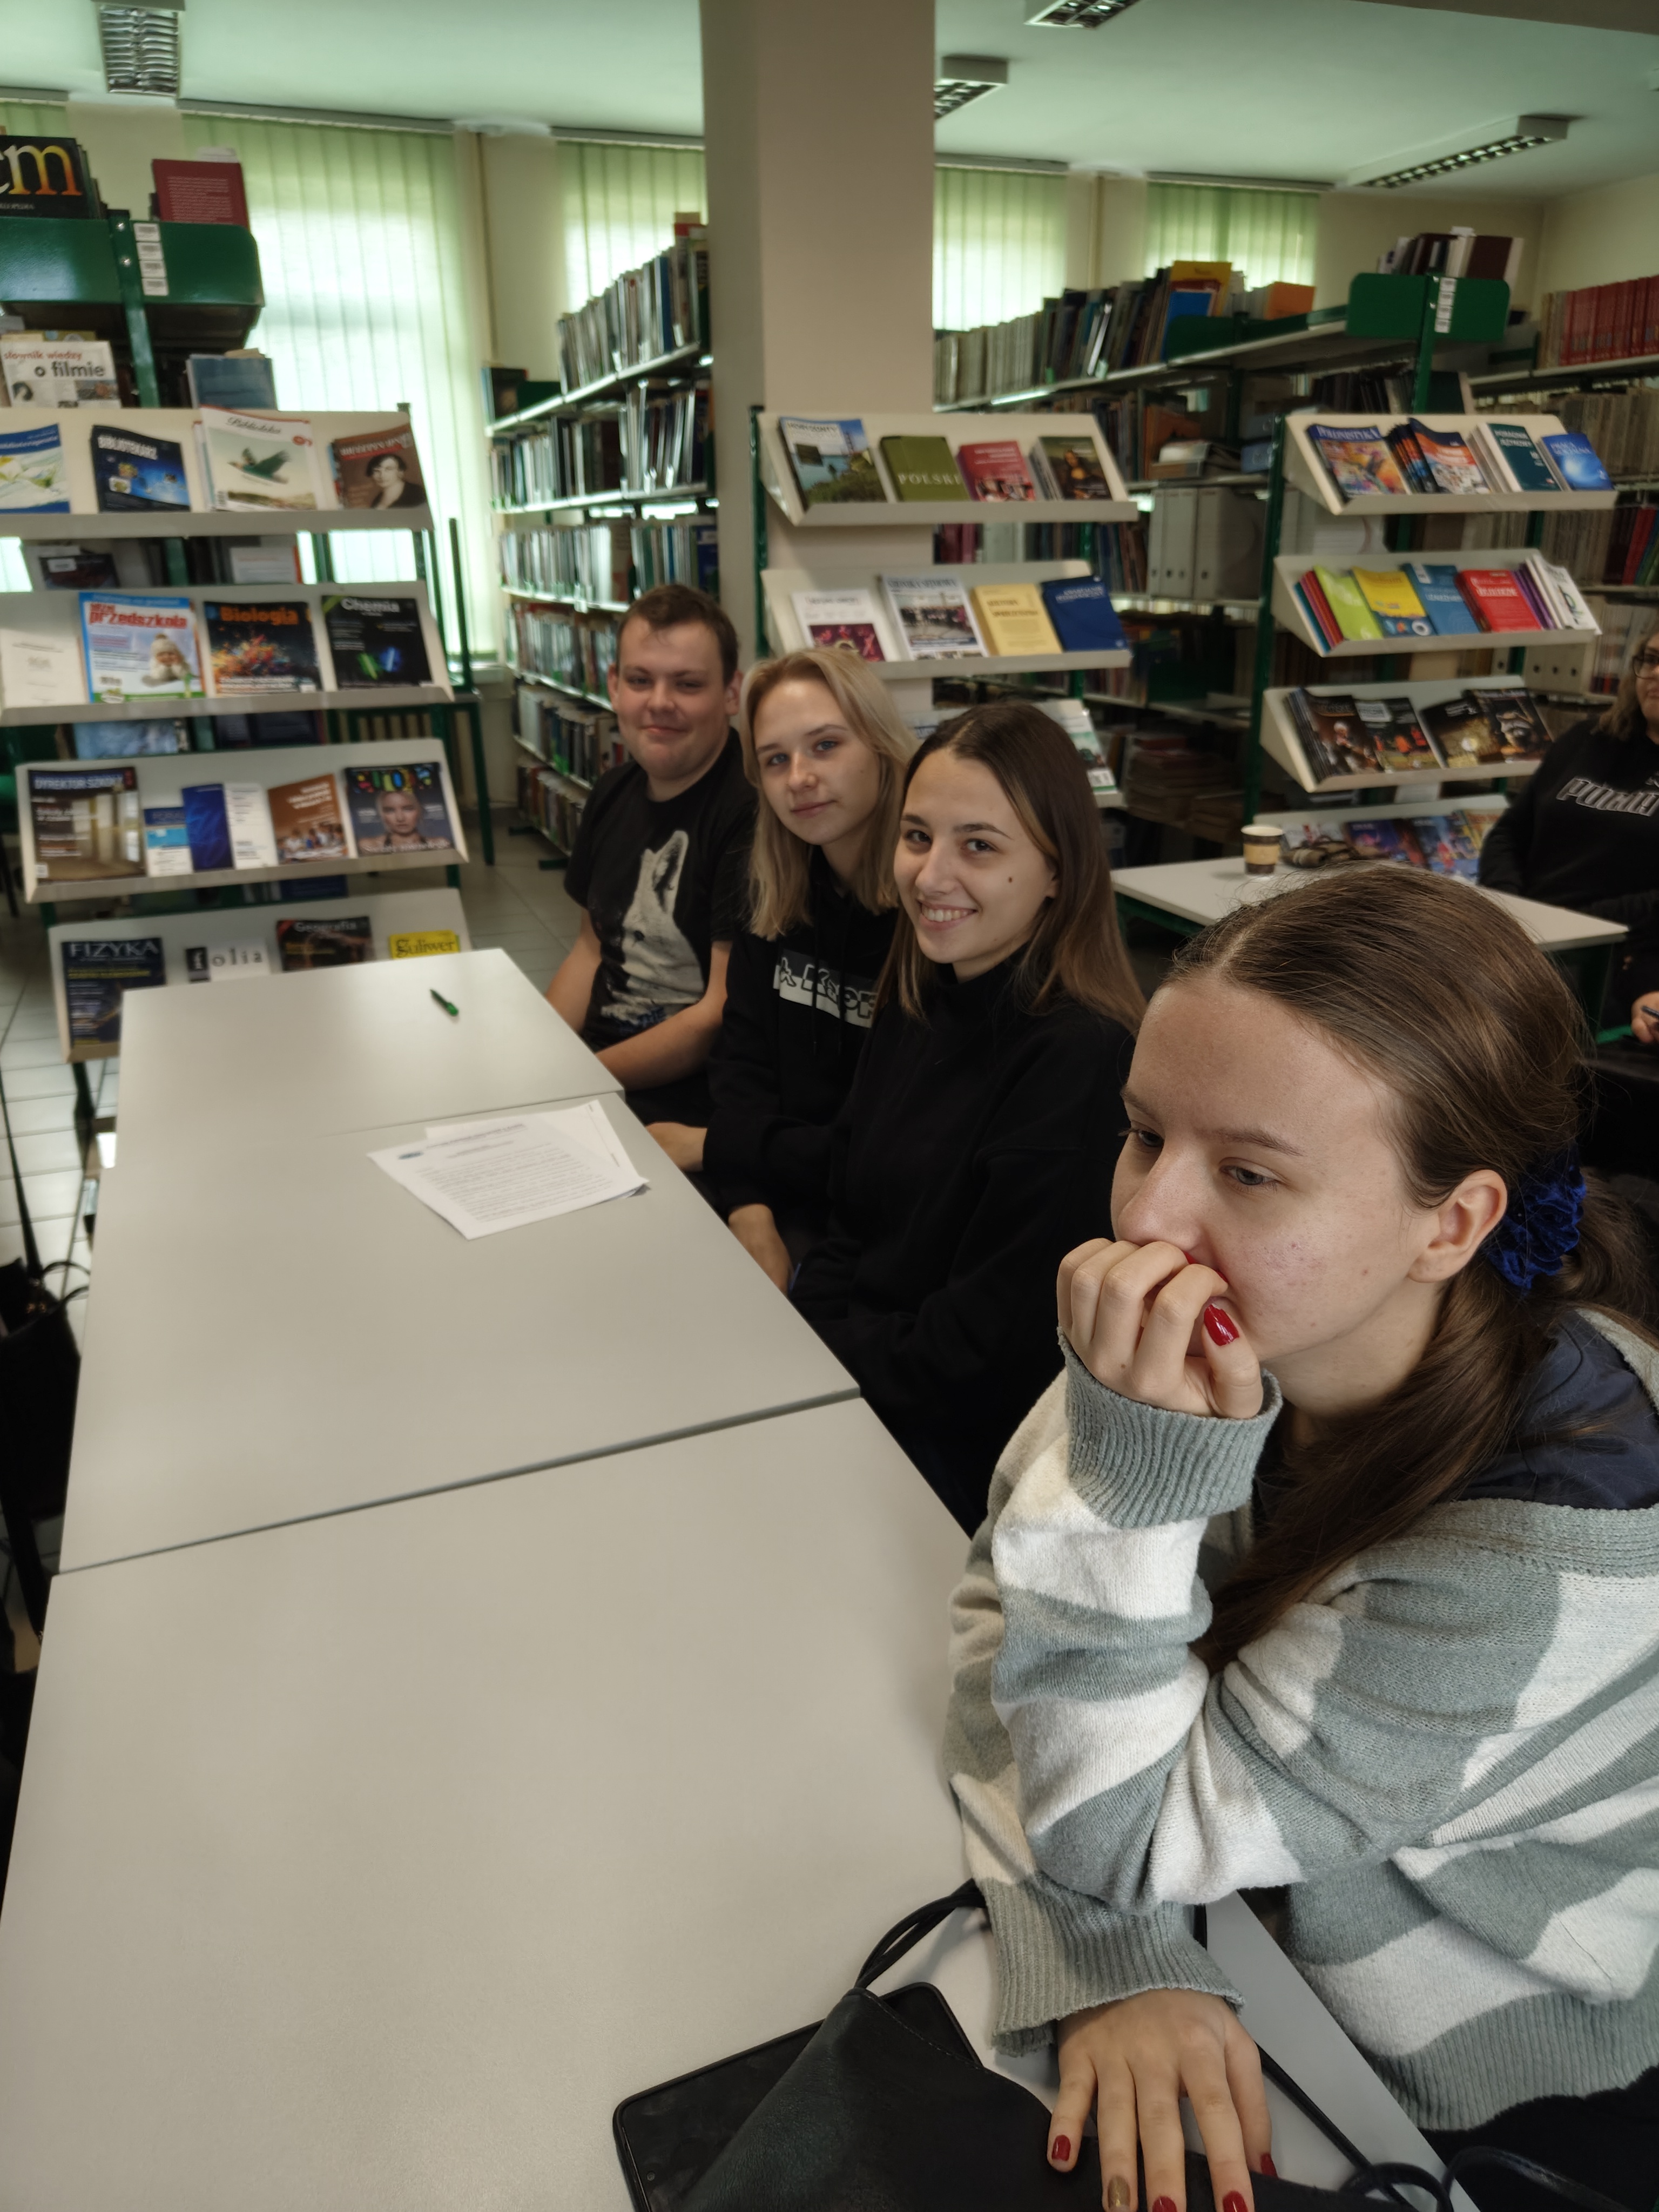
445 1004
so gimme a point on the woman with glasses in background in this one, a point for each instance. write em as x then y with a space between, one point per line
1584 833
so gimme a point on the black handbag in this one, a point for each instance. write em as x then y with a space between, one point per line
885 2107
40 1373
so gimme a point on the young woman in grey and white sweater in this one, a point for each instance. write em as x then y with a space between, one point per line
1332 1562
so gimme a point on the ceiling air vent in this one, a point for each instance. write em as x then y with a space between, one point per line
141 49
964 77
1077 15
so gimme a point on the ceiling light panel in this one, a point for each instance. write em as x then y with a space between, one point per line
1529 131
964 77
1077 15
141 50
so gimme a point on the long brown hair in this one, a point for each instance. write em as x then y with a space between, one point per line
1075 952
1626 718
1480 1049
780 862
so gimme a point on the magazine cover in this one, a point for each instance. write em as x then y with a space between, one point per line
1358 460
1333 735
71 569
140 647
167 840
32 478
42 372
308 821
380 469
995 470
128 740
1514 719
98 971
832 461
1445 844
398 810
1383 841
247 815
933 617
345 943
418 944
1076 468
1403 745
87 824
225 964
846 618
377 641
207 828
1459 726
263 645
135 475
258 462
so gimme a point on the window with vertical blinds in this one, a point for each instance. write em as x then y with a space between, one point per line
619 207
361 257
1268 236
999 244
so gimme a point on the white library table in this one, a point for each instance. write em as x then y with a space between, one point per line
365 1864
212 1066
279 1330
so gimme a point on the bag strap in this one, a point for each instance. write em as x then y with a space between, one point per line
910 1931
31 1249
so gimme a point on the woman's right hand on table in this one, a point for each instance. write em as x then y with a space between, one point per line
1131 2063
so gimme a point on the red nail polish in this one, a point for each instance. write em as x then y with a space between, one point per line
1164 2204
1232 2202
1220 1329
1061 2149
1267 2166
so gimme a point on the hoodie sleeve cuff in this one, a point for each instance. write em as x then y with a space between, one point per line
1143 1467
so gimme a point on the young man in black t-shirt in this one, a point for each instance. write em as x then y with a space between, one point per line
660 866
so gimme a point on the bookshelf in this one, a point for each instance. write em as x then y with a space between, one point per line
778 478
1310 476
162 776
1282 742
1632 369
397 922
1291 615
574 552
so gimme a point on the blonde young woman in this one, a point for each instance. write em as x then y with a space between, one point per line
827 752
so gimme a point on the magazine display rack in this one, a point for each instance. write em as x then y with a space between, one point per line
778 478
1282 741
1291 615
211 945
52 621
787 635
1310 475
162 778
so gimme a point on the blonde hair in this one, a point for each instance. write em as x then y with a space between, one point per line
779 861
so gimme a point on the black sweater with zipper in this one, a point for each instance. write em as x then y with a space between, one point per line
1584 833
975 1150
798 1009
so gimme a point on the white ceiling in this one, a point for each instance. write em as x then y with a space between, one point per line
1316 88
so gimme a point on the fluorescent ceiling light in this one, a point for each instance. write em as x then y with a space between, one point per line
1240 183
1529 131
961 78
1077 15
141 49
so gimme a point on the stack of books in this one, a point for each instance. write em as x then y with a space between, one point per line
1345 735
1424 599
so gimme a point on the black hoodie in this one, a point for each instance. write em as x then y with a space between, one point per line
976 1149
1584 833
797 1011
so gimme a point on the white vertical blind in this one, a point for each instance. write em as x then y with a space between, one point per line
1268 236
999 244
619 204
361 257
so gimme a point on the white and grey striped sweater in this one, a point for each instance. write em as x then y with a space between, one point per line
1450 1751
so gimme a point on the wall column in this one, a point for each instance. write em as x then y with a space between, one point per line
821 237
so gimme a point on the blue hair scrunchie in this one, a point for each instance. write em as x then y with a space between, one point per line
1541 1224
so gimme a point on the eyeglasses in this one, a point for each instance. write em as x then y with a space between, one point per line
1646 664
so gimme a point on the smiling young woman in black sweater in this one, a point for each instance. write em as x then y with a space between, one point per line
978 1143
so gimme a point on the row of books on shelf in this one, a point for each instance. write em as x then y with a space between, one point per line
93 823
1460 251
543 800
153 645
577 651
1622 426
1599 322
833 465
656 444
939 618
611 561
46 368
1345 735
640 315
1431 598
98 971
243 464
579 742
1483 455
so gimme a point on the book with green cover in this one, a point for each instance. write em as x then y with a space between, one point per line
923 468
1346 602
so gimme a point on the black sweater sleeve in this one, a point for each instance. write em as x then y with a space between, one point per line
755 1153
1506 842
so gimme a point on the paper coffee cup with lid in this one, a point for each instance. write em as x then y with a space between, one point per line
1262 841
